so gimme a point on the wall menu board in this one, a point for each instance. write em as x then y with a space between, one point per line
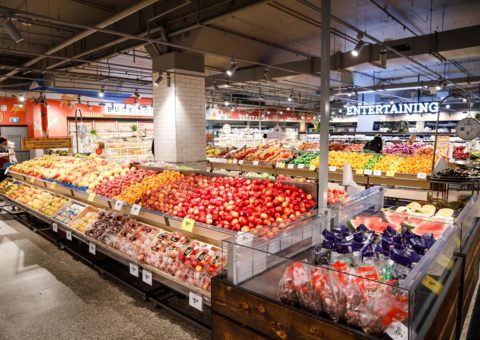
46 143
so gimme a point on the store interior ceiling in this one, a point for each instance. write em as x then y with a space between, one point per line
408 51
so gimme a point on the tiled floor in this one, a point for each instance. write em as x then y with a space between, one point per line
46 294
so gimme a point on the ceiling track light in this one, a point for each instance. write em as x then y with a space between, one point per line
158 80
101 94
137 94
359 46
21 98
12 31
290 97
232 69
266 74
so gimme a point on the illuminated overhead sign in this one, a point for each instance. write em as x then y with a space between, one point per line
393 109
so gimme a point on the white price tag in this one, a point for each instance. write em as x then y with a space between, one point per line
135 209
69 235
92 248
397 331
147 277
7 170
301 166
377 172
290 166
134 269
332 168
240 162
367 172
195 301
422 175
118 205
255 162
55 227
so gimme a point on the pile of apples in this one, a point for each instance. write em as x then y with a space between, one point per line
114 186
232 203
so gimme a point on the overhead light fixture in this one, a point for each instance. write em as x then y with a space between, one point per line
12 31
447 106
290 97
101 94
21 98
226 103
20 105
391 101
266 74
137 94
281 112
464 100
340 111
158 80
359 46
232 69
288 109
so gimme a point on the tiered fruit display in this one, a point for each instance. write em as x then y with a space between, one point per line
133 193
305 158
354 147
357 160
269 154
28 195
81 223
17 191
68 212
213 152
402 149
372 161
51 207
309 146
336 196
387 163
115 186
40 200
9 187
77 171
415 164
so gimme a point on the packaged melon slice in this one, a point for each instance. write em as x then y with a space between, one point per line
428 210
445 213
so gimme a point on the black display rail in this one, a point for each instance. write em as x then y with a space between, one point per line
164 290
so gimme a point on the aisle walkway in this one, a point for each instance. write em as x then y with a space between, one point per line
46 294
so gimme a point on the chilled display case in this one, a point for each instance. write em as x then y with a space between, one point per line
358 278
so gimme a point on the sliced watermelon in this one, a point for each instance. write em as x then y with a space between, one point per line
394 217
426 227
374 223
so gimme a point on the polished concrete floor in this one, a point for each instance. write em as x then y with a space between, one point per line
46 294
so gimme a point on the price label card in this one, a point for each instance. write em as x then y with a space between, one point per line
7 170
359 171
147 277
367 172
32 179
195 301
53 185
55 227
422 175
69 235
280 165
397 331
240 162
92 248
390 173
133 269
118 205
332 168
377 172
234 161
432 284
229 161
91 196
290 166
187 224
255 162
301 166
135 209
312 168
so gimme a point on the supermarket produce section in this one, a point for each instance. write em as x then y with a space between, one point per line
360 269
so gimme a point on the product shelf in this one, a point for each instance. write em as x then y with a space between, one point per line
166 279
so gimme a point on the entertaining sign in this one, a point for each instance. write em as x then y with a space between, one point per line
393 109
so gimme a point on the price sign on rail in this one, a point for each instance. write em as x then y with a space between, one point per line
390 173
291 166
422 175
53 185
377 172
255 162
118 205
301 166
187 224
133 269
55 227
368 172
332 168
91 196
147 277
135 209
240 162
312 168
280 165
69 235
359 171
92 248
196 301
32 179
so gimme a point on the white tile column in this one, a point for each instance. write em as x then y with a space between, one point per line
179 116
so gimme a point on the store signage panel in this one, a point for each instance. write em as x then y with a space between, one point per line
46 143
392 109
128 110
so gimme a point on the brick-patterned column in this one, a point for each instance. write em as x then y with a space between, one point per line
179 117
